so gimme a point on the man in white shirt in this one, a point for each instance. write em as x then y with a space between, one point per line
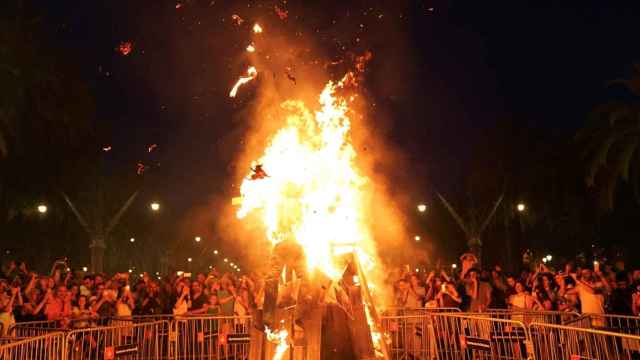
591 289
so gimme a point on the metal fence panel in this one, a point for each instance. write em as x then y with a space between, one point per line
132 341
608 322
455 336
562 342
531 316
221 337
44 347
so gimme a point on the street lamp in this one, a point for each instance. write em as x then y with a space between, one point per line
521 207
226 260
422 208
132 240
189 259
453 266
84 268
417 238
549 257
197 238
155 206
215 252
42 208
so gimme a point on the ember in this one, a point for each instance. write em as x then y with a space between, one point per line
125 48
282 14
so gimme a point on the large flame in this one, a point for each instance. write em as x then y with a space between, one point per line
313 191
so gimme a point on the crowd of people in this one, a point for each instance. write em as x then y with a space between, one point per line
595 289
76 299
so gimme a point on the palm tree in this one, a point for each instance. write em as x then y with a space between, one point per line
610 142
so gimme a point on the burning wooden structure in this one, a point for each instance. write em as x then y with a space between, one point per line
317 318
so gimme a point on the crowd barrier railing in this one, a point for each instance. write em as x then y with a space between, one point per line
133 341
44 347
531 316
450 335
608 322
33 328
561 342
220 337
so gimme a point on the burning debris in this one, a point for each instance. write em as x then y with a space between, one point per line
125 48
252 73
237 19
282 14
258 173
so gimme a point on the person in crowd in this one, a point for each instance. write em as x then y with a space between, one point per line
591 289
621 299
198 299
183 303
227 296
448 296
58 304
522 300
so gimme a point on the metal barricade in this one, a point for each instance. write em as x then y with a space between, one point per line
530 316
563 342
44 347
458 336
408 336
219 337
615 323
134 341
398 311
450 335
33 328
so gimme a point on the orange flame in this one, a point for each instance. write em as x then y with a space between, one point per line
252 73
257 28
315 192
251 48
279 337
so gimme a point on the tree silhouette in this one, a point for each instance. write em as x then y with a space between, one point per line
610 143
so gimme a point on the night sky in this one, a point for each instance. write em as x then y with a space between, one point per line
443 73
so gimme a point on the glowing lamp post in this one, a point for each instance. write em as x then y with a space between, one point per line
521 207
132 240
197 239
154 206
417 238
42 209
215 252
422 208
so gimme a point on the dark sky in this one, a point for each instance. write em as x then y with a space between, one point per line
444 72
